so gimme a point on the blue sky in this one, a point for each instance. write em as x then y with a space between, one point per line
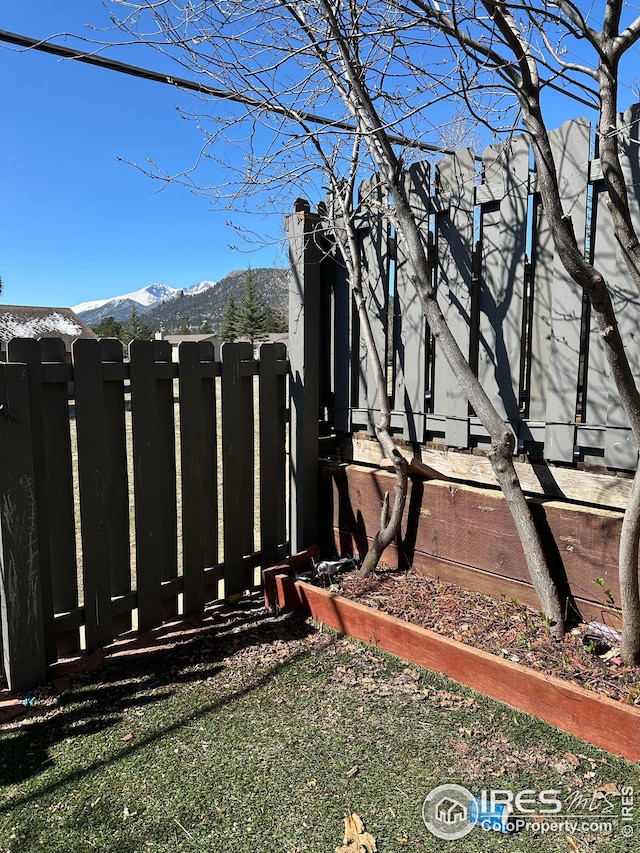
75 223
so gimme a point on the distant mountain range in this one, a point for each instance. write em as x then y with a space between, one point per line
169 309
119 307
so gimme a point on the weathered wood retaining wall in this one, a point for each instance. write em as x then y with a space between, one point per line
465 535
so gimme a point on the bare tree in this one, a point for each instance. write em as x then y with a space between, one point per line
300 156
524 48
362 65
340 225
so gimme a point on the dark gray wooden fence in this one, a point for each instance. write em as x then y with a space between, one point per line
514 310
105 524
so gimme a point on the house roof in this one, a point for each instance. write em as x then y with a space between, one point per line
278 338
24 321
178 339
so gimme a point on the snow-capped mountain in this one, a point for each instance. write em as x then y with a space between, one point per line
199 288
119 307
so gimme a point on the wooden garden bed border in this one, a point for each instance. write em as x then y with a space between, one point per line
599 720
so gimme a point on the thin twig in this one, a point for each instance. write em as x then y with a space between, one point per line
186 831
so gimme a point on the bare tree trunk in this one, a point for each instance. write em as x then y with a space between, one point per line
625 382
343 230
502 438
628 573
326 42
357 98
517 68
595 286
389 525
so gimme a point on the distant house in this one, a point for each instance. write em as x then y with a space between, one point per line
22 321
176 340
278 338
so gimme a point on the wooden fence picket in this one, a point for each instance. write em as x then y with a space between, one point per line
374 240
571 148
94 478
306 260
453 204
210 464
27 351
154 480
24 655
273 414
195 483
49 401
237 465
114 375
620 450
501 297
409 326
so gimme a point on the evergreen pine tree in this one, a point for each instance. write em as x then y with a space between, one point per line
108 327
205 328
252 316
134 329
276 321
229 325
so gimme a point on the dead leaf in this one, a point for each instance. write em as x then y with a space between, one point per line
444 699
128 736
353 772
610 788
356 839
571 758
561 766
573 844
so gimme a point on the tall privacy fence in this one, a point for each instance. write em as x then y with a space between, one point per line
133 490
515 312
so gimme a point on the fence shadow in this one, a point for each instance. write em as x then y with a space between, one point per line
139 679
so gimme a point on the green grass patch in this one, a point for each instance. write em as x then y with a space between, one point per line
260 734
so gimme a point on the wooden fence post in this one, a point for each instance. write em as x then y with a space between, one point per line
304 344
21 620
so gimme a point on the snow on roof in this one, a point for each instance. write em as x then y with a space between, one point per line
37 326
18 321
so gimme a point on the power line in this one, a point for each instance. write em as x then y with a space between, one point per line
192 86
223 94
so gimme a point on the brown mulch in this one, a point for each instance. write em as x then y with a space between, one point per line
504 628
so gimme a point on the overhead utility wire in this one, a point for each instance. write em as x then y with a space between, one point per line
226 95
191 85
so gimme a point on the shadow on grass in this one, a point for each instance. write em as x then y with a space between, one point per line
140 680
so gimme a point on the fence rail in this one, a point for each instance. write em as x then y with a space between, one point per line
517 315
133 491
